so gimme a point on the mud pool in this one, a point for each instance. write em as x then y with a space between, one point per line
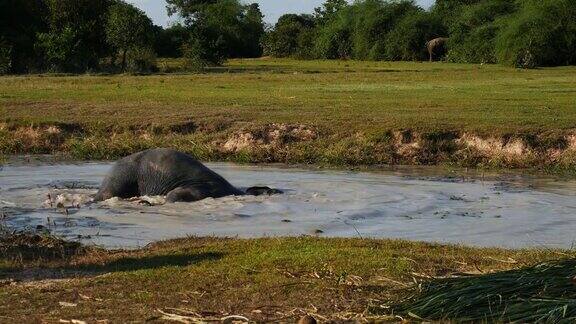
411 203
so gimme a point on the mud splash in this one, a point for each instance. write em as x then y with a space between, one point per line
411 203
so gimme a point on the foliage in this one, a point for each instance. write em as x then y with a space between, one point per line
128 29
141 60
328 10
5 57
450 10
229 28
169 42
290 35
204 48
75 40
20 22
334 38
374 20
473 34
541 33
406 41
60 51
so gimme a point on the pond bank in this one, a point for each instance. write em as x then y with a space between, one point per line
553 152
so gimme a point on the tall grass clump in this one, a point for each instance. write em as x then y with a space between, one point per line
545 293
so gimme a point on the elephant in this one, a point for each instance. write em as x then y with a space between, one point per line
437 47
167 172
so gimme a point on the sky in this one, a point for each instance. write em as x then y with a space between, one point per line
272 9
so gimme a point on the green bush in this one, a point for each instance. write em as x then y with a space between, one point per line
305 47
360 31
373 22
235 28
129 31
285 40
473 34
204 49
334 39
141 60
168 42
542 33
5 57
76 39
60 51
407 41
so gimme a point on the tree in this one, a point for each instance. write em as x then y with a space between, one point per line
20 22
252 31
75 40
473 33
226 26
374 20
541 33
188 9
169 42
328 10
5 57
406 42
128 28
450 10
286 38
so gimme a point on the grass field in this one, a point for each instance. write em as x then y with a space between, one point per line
263 279
344 103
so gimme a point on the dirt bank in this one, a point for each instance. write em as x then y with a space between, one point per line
298 143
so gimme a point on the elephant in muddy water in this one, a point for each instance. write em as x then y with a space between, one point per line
437 47
166 172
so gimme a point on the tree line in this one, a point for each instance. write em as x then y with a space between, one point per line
112 35
522 33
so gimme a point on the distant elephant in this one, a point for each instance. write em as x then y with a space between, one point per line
437 47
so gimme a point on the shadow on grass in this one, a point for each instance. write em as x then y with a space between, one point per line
154 262
28 273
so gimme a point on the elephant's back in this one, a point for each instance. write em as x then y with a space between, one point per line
162 170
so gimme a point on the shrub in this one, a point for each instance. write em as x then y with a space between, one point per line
5 57
204 49
60 51
128 29
334 39
373 22
76 39
285 40
141 60
542 33
407 41
473 34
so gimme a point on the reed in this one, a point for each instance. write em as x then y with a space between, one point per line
545 293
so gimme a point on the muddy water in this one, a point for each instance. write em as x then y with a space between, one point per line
417 204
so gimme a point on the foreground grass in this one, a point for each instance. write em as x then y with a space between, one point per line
262 279
355 113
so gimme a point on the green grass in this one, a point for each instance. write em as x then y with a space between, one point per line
338 96
355 109
262 279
